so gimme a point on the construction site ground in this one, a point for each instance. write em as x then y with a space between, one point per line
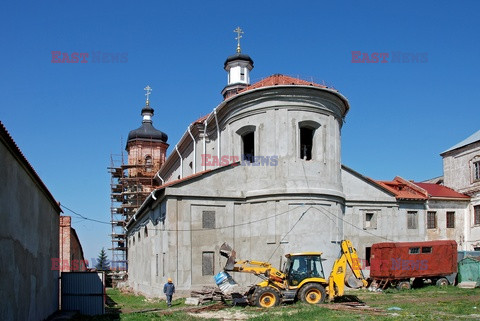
428 303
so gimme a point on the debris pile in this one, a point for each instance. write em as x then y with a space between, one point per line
209 294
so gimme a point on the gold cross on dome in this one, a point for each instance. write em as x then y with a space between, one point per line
148 89
239 33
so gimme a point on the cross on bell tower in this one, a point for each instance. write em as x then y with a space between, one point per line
148 90
239 33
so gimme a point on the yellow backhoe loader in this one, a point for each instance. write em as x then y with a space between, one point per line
302 277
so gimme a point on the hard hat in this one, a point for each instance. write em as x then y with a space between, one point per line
169 280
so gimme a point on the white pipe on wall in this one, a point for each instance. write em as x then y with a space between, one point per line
181 161
218 136
194 151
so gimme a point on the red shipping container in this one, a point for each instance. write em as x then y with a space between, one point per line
404 260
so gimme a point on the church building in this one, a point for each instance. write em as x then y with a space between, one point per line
262 172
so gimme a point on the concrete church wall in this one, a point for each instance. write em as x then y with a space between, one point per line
261 228
286 206
29 240
275 116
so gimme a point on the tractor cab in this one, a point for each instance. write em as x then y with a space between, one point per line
301 266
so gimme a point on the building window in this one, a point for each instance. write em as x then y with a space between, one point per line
248 141
427 249
431 220
148 163
306 143
242 73
156 264
476 248
414 250
412 220
247 136
134 240
207 263
146 231
450 219
139 236
476 210
370 221
476 170
307 132
208 219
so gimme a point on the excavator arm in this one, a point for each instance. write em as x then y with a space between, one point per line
337 279
261 269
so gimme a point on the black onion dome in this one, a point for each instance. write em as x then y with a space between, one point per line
238 56
147 131
147 109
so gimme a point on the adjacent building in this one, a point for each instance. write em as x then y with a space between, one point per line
28 238
461 171
71 257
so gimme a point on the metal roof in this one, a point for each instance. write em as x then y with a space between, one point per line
470 140
440 191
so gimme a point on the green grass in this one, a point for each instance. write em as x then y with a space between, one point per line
429 303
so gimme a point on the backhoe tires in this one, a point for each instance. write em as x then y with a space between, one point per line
312 293
266 297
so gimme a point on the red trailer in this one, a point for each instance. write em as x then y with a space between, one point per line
400 263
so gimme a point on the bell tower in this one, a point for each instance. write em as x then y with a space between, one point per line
131 183
146 145
238 67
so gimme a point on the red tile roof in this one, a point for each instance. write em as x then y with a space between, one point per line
279 79
201 119
440 191
404 189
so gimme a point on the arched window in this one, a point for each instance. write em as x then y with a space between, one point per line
247 134
307 132
148 163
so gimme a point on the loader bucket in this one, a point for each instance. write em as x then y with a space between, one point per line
352 282
230 254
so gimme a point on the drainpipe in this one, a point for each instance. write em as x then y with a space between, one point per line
181 162
466 230
218 136
205 144
194 151
163 182
152 194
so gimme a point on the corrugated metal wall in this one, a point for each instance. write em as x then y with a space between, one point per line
83 292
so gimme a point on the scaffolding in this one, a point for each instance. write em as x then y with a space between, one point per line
130 185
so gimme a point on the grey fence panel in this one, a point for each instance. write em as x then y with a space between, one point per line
83 292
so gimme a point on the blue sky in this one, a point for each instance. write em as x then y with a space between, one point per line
68 118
